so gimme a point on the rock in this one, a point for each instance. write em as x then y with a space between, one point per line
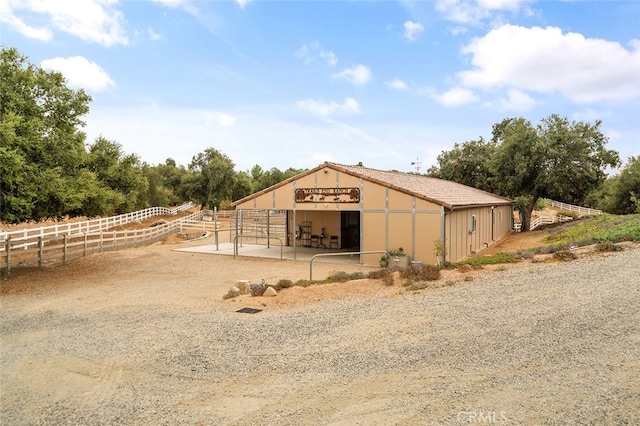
270 291
257 289
243 286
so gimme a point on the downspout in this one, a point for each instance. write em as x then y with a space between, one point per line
443 233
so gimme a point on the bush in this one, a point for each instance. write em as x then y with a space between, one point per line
564 255
284 283
341 276
607 246
421 273
388 280
378 274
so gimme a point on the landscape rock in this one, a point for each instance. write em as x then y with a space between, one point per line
243 286
257 289
270 291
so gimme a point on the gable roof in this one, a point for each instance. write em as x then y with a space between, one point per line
450 195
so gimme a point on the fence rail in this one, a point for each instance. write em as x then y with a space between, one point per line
90 226
35 251
581 211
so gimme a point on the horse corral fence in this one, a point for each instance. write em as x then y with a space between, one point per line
58 244
548 217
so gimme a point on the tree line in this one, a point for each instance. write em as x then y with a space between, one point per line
47 170
557 158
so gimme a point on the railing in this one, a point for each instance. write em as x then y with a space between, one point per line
38 250
581 211
89 226
548 220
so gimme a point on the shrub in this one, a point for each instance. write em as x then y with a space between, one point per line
421 273
284 283
608 246
379 274
564 255
388 280
341 276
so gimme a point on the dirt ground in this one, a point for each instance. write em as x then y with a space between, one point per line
55 381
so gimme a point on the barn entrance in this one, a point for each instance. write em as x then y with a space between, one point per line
350 230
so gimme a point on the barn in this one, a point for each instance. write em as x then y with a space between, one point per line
359 209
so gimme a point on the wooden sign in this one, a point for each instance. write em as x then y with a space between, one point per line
327 195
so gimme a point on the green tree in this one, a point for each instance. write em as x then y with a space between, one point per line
119 172
212 178
557 159
622 190
467 163
165 182
41 146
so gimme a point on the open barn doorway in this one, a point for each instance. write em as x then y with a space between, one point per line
350 230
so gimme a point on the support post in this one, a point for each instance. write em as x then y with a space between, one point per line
7 249
40 249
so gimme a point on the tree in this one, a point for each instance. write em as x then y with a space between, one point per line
557 159
621 192
41 145
212 180
467 163
119 172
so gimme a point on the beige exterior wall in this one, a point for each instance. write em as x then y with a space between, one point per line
462 241
390 219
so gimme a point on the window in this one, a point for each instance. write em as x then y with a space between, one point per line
473 223
499 216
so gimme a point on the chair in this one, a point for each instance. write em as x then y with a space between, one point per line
333 240
315 241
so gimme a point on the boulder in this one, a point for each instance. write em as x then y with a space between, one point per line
270 291
257 289
243 286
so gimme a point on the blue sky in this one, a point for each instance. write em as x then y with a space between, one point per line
296 83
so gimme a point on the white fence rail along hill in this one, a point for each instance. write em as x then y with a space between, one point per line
548 217
92 225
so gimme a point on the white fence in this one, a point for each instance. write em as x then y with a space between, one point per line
581 211
547 217
35 251
89 226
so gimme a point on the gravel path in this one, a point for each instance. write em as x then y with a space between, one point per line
541 344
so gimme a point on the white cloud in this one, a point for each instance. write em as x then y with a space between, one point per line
80 72
412 30
153 36
330 57
326 109
313 52
457 96
397 84
243 3
358 75
8 17
90 20
516 100
547 61
226 120
475 11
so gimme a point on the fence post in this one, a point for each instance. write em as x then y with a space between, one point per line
84 253
64 249
7 249
101 240
40 249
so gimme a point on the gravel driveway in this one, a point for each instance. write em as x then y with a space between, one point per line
126 338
